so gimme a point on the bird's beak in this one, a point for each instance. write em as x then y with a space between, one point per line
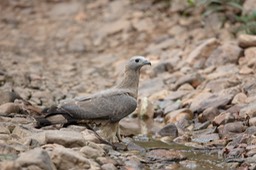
146 62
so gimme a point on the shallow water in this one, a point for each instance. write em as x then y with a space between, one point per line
205 159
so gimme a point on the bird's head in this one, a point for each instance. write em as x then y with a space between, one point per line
136 62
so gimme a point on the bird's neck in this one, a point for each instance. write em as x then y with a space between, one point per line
130 82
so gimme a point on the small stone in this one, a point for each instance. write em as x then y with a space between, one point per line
246 40
239 98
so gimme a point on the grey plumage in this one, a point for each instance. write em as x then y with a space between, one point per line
104 109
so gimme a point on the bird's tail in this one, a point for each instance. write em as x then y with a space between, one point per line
54 116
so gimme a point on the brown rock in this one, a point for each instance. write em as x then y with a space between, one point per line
248 7
206 100
209 114
108 166
226 53
65 158
35 159
8 96
246 40
246 70
201 53
223 118
239 98
178 116
92 150
252 121
248 110
194 79
165 155
65 138
9 108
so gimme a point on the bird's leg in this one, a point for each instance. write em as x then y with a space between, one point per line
98 136
118 134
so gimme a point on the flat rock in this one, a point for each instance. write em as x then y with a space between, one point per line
165 155
205 138
65 138
206 100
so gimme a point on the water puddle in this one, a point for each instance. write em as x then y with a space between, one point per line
203 159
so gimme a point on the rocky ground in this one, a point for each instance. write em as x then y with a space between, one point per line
200 91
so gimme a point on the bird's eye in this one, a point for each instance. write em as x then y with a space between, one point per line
137 60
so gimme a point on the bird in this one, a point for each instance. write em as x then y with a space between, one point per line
102 110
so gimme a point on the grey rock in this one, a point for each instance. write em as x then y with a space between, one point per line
168 130
234 127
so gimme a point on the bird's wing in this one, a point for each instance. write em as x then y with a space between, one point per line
107 106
